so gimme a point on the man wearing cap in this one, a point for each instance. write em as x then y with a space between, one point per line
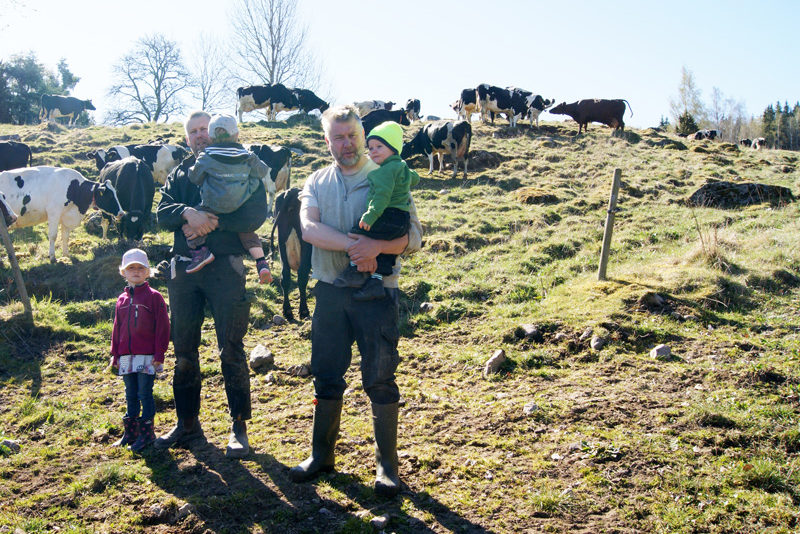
332 201
220 283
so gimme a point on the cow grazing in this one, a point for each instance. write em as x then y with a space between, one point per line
746 142
56 195
14 155
54 106
307 101
704 134
466 105
608 112
412 109
100 156
374 118
294 252
279 161
133 180
759 143
8 214
368 106
160 158
439 138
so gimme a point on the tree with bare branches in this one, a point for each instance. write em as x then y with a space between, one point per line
148 81
211 74
269 44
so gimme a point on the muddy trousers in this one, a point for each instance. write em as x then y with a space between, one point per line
221 285
339 321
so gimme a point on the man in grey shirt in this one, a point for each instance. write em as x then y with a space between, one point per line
332 202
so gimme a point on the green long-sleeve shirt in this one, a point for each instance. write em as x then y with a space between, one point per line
389 185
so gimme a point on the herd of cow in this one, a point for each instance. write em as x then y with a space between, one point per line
129 174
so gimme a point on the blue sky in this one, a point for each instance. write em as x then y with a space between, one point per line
431 50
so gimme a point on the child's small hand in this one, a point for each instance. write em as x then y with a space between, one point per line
159 367
363 225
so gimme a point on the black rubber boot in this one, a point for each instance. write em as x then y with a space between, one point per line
350 277
384 422
238 444
183 433
130 432
327 415
146 435
371 290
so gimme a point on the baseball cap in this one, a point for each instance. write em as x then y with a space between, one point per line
134 255
226 122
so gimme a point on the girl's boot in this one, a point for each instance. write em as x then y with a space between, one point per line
146 435
129 434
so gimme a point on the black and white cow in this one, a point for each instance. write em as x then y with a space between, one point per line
759 143
374 118
14 155
160 158
466 105
511 102
412 109
253 97
368 106
307 101
746 142
133 180
281 99
536 104
294 252
704 134
54 106
279 161
56 195
451 137
8 213
101 154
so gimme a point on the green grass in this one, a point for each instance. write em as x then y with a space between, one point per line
707 442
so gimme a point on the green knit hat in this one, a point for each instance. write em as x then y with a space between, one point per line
390 134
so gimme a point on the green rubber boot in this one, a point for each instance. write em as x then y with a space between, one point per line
327 415
384 422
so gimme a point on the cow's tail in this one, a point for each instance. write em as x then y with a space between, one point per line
30 156
272 239
629 106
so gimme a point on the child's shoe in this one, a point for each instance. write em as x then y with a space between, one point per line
130 433
147 435
350 277
371 290
264 274
200 258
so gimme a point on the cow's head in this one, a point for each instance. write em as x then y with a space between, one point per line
133 224
560 109
179 153
99 157
112 155
8 214
104 197
88 105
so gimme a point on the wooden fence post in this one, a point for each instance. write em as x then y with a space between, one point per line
612 206
12 258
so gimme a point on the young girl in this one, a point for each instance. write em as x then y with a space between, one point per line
138 343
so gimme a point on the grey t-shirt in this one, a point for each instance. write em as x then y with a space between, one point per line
341 201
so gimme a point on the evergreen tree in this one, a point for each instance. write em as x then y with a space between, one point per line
768 120
23 81
686 124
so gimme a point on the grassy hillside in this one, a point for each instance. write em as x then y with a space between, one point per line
565 438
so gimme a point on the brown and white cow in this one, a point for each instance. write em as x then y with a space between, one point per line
57 195
451 137
279 161
466 105
368 106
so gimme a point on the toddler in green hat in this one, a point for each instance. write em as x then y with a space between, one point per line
387 215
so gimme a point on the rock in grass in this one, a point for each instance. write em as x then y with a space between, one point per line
598 342
530 408
529 331
493 364
278 320
379 522
425 307
261 358
586 334
661 352
560 336
11 445
302 370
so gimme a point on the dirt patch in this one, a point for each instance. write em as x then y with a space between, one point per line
731 195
